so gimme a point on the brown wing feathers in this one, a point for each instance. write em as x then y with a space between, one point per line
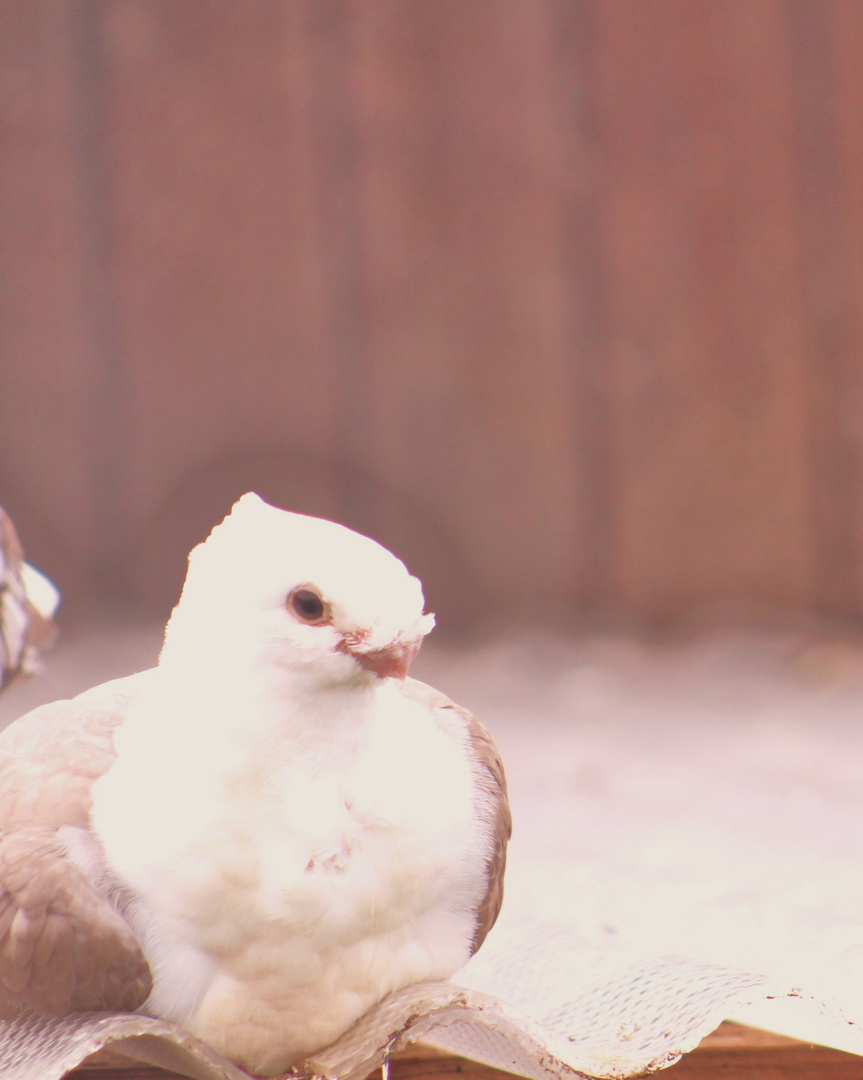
485 752
493 782
62 946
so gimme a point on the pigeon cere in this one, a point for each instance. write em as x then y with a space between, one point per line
269 832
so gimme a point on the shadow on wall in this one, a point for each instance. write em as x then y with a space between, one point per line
156 562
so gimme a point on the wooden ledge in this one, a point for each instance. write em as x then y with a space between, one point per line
732 1052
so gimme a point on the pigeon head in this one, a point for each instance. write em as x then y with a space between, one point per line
290 592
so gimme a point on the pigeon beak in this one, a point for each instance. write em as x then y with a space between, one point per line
388 659
392 661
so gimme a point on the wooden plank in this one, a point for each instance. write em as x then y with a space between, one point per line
735 1052
732 1051
574 60
827 50
703 343
847 43
468 409
47 374
548 292
221 288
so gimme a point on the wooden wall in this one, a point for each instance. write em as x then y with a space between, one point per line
562 299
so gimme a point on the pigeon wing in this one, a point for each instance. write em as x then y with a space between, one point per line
63 945
493 804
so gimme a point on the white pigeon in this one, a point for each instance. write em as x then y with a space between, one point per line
273 829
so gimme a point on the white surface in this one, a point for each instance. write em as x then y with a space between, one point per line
697 803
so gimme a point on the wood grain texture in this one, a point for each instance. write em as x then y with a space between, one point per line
732 1051
736 1052
822 39
46 374
221 276
847 42
460 177
547 295
708 398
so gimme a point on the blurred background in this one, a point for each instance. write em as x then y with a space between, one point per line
560 300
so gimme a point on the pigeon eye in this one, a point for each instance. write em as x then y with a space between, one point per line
308 606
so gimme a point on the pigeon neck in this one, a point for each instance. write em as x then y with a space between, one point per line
272 710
